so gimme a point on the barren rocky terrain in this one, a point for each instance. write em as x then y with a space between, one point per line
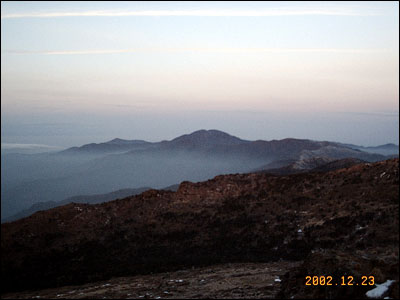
237 280
337 223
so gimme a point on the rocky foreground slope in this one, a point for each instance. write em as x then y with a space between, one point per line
338 223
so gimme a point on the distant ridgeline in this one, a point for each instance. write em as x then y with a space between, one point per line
48 179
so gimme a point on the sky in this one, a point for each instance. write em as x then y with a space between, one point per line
79 72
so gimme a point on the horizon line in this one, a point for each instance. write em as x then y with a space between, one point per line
193 13
133 50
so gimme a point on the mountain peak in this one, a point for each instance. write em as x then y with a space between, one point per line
210 137
116 140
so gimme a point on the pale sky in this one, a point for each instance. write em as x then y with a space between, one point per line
80 72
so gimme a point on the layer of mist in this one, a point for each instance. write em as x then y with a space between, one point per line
120 164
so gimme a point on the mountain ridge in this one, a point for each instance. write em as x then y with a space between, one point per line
87 199
211 137
291 167
349 215
119 163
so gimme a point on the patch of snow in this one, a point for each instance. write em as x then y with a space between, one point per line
299 231
379 290
358 227
277 280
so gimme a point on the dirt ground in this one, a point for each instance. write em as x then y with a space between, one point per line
236 280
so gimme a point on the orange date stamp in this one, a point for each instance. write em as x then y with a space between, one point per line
343 280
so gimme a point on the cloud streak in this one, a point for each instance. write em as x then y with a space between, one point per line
197 13
222 50
26 146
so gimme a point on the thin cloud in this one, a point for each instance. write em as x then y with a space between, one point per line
73 52
27 146
223 50
379 114
197 13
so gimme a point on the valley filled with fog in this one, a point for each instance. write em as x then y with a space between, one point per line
28 179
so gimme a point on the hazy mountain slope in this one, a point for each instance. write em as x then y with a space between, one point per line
114 146
315 164
88 199
386 149
333 151
119 164
20 168
309 159
115 172
349 214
